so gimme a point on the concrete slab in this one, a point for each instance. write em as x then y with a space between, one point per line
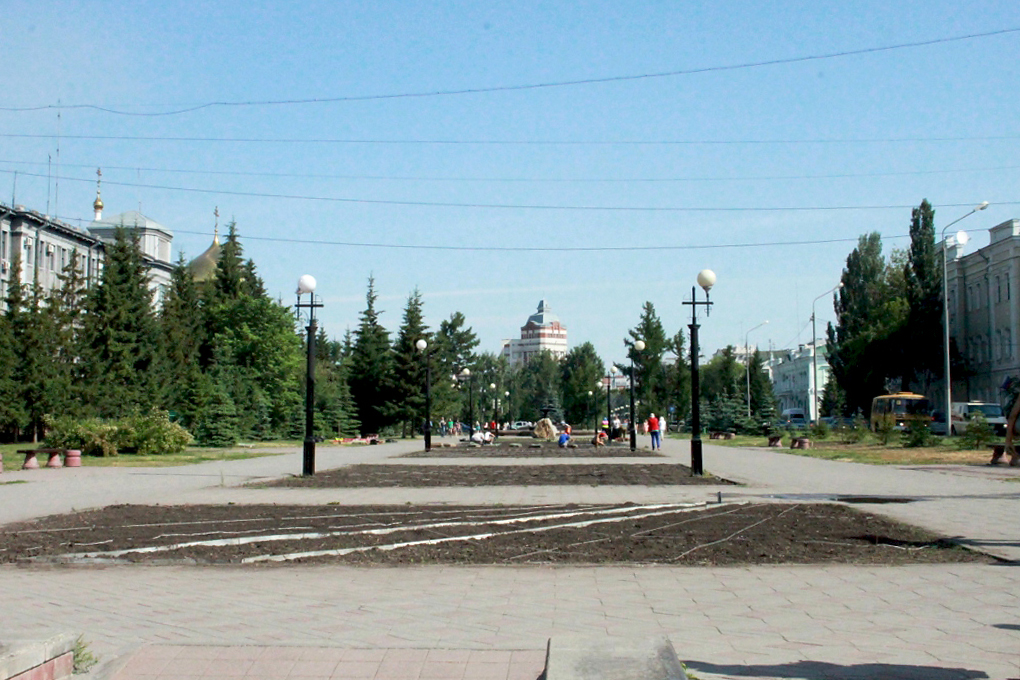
616 658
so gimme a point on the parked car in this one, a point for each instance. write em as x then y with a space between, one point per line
522 425
964 412
793 418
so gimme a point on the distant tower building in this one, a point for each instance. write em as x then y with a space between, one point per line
543 331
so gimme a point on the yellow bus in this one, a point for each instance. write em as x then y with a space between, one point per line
900 410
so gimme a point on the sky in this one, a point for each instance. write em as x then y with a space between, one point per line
596 155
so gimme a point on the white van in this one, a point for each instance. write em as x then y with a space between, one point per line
964 412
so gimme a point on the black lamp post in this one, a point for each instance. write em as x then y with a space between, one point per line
639 346
306 285
593 406
706 279
506 407
422 346
609 404
495 407
466 375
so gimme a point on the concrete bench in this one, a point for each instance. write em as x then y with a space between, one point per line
72 458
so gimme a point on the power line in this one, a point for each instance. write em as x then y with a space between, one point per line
524 87
514 142
528 249
537 180
506 206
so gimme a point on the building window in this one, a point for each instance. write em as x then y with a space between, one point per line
998 289
1007 344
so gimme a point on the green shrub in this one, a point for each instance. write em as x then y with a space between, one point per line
91 436
977 434
918 435
884 431
820 430
147 435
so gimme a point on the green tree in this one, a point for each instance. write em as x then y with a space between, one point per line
923 275
678 380
408 405
120 332
757 381
67 309
864 345
540 386
650 387
581 376
723 377
11 412
183 334
371 375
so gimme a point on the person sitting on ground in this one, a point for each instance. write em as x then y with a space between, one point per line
482 437
600 439
564 439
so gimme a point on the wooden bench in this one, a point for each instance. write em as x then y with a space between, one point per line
72 458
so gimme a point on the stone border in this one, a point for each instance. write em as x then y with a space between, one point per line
52 658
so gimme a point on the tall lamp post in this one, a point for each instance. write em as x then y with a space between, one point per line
706 279
747 362
961 239
613 370
465 374
814 351
506 407
592 405
422 346
306 286
495 406
639 346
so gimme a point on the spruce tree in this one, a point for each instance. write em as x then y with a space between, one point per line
371 375
650 388
581 371
13 410
11 413
408 406
67 307
120 332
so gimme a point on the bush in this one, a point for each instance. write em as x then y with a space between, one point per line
147 435
820 430
918 435
884 431
91 436
977 434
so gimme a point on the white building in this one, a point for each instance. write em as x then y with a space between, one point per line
543 331
984 315
793 378
45 245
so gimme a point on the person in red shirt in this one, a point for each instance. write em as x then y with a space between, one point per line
653 429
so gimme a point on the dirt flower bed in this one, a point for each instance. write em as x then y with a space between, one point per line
676 534
522 447
588 474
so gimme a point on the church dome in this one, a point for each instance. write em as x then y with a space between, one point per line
203 267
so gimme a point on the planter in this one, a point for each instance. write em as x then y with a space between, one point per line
775 440
72 458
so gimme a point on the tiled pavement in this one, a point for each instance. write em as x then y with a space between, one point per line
941 622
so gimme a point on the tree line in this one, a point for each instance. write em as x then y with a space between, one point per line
227 362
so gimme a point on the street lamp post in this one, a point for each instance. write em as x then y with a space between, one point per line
639 346
747 362
961 238
306 286
465 374
613 370
422 346
495 407
814 352
506 407
591 405
706 279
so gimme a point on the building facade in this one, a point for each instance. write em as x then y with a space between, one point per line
45 246
793 378
984 315
542 332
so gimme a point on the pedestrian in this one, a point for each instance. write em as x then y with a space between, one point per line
653 429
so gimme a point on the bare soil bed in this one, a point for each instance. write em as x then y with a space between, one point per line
676 534
526 447
566 474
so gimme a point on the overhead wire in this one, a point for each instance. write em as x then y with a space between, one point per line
537 180
502 206
523 87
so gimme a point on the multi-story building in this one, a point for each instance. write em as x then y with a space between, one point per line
543 331
984 315
45 245
793 378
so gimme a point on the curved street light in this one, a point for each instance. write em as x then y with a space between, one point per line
961 239
747 363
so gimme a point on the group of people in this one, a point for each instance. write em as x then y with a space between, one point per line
654 426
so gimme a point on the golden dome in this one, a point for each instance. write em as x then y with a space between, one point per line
203 267
98 203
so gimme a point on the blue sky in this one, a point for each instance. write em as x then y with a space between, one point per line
731 169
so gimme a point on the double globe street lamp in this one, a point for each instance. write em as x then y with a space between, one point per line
306 286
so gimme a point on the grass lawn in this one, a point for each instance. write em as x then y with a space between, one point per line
193 454
867 451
